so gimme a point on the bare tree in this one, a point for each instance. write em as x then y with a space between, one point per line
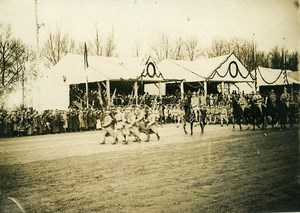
110 46
162 50
97 44
192 48
276 58
219 47
136 49
242 49
12 58
178 54
57 45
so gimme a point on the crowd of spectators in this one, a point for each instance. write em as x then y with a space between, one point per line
27 121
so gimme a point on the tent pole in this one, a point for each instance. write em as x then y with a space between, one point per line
205 90
108 92
181 90
87 91
136 92
222 88
159 89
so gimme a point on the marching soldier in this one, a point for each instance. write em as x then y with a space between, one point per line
140 120
131 128
108 129
152 125
120 124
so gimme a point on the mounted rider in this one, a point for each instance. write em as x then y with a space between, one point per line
285 97
272 98
258 100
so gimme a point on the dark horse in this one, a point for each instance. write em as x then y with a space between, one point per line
237 113
257 114
202 119
189 116
284 112
270 113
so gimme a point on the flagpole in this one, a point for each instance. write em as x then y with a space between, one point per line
87 80
87 91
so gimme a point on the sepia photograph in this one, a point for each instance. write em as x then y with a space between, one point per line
149 106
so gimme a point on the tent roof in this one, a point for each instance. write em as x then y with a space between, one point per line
211 69
295 75
268 76
180 70
71 68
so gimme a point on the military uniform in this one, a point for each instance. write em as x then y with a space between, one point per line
223 115
140 120
130 127
242 102
108 129
152 125
195 103
285 97
258 100
120 124
272 97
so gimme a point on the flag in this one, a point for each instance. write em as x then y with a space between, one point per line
100 94
85 56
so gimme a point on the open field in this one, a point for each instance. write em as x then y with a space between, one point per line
222 170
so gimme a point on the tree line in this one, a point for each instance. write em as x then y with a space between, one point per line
17 61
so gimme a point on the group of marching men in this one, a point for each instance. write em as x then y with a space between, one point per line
131 120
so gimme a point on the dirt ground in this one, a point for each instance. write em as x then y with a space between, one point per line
220 171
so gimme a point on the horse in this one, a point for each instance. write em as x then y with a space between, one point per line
270 110
189 116
202 119
293 113
256 114
237 113
283 114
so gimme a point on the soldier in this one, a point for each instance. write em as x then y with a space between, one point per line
195 102
175 113
120 124
131 128
108 129
285 97
223 115
272 98
242 101
152 125
166 114
258 100
140 120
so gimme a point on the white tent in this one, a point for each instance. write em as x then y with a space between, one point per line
52 91
100 68
226 68
268 76
295 75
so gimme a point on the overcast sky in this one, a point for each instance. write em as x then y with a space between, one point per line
144 21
